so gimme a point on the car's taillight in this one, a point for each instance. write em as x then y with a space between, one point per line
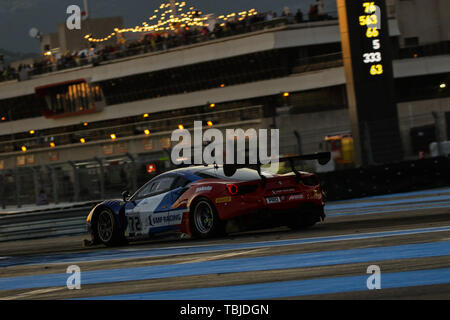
232 189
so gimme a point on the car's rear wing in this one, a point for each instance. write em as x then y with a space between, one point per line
321 157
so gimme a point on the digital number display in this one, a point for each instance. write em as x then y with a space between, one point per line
367 55
370 22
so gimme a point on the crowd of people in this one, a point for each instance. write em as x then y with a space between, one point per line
157 41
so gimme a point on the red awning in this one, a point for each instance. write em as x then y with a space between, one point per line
42 90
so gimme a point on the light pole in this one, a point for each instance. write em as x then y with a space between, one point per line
85 13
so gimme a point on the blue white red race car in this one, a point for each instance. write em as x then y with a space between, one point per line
201 200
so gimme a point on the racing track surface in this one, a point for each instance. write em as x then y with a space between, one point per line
406 235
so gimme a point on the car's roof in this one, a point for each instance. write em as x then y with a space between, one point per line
192 169
189 172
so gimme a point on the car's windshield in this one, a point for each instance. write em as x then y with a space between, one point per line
155 186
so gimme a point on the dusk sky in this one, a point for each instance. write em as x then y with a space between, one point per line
17 17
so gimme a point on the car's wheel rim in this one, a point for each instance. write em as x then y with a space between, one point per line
203 217
105 226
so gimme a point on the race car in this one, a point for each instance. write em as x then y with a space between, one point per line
201 201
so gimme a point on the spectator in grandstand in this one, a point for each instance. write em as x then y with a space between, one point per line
9 74
212 22
313 14
23 72
299 16
286 12
162 41
205 34
320 9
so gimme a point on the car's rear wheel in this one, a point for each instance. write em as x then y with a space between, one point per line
205 222
106 228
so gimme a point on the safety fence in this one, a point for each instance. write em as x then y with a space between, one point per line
398 177
63 221
106 178
71 182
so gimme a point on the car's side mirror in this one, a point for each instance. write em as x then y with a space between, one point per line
125 195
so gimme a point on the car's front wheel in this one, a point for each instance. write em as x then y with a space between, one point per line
106 228
205 222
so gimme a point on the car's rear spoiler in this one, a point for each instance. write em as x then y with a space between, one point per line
321 157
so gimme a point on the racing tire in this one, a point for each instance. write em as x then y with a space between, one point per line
205 222
106 229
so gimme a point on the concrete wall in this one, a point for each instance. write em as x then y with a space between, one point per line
419 113
444 19
429 20
421 66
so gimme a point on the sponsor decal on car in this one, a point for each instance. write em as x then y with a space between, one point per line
223 199
165 220
206 188
296 197
273 199
283 190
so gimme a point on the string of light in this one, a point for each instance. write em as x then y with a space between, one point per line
170 18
